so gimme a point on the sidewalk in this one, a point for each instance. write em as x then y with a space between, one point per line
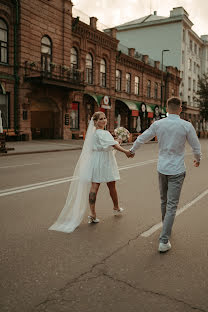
41 146
45 146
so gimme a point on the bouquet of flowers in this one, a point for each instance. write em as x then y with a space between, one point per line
122 134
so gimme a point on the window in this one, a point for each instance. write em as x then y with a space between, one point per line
46 53
183 58
3 42
195 48
4 108
89 68
156 90
118 80
199 70
137 85
189 83
103 73
128 83
199 52
191 45
194 67
74 58
149 88
173 92
194 85
189 64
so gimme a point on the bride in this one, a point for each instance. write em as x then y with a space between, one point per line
96 164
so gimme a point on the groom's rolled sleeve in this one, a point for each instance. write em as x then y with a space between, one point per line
146 136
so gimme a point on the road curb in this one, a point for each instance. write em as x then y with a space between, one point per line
56 150
40 152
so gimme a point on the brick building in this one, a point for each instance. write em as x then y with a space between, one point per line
55 71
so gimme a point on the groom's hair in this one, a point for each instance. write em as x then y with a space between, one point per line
174 104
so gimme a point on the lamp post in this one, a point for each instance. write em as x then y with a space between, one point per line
161 99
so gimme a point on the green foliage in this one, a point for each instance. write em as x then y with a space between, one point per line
202 96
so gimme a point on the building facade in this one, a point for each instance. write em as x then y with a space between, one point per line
56 71
187 51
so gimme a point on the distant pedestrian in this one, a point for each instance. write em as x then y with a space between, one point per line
172 134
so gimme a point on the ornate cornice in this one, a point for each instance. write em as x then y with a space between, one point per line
137 65
86 31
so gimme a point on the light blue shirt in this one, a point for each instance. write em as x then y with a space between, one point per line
172 133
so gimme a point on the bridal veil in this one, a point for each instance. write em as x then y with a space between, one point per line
77 200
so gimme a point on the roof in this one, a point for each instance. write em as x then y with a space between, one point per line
144 19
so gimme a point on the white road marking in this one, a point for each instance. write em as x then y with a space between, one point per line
157 226
6 167
35 186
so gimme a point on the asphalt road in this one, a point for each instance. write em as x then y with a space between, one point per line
110 266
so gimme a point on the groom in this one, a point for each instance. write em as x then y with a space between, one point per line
172 133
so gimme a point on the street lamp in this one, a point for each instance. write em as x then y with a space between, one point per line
161 99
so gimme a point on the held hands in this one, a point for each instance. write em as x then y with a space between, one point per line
196 163
129 154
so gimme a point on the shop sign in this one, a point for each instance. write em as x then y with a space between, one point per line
150 115
105 102
134 113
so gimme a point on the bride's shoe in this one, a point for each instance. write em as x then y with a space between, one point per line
118 211
93 220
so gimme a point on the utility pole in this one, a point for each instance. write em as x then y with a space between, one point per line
161 98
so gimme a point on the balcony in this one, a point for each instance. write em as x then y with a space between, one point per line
54 75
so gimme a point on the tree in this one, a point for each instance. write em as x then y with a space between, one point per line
202 96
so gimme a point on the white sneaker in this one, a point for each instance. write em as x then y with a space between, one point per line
118 212
93 220
164 247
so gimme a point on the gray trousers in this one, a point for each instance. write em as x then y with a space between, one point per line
170 190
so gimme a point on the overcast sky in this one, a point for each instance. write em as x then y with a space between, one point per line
115 12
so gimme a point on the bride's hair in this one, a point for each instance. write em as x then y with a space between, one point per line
96 115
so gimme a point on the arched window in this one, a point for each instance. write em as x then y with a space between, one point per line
118 80
148 88
137 85
128 83
3 42
156 90
103 73
46 53
74 58
89 68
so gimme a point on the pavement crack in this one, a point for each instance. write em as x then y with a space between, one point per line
58 293
154 293
79 278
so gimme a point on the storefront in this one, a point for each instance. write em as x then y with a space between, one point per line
45 119
126 113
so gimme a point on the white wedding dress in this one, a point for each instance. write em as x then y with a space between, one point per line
103 163
97 163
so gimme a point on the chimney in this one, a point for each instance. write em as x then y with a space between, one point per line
113 32
157 64
145 59
131 52
93 22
